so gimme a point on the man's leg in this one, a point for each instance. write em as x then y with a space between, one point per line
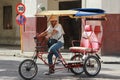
53 50
50 55
55 47
51 66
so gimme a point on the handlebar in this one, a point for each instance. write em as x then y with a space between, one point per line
36 40
39 44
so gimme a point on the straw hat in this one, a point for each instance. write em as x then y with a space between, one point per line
53 18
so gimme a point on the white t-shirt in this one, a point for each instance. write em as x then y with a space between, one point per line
59 34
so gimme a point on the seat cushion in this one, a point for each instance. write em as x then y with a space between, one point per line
79 49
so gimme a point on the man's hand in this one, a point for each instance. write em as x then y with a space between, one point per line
54 32
48 36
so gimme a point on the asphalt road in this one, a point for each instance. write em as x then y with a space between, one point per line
9 71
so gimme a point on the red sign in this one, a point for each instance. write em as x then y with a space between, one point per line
20 8
21 19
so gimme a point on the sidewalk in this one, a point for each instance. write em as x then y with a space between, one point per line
15 51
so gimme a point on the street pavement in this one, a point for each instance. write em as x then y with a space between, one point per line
9 71
11 57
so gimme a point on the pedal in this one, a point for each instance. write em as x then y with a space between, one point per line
58 62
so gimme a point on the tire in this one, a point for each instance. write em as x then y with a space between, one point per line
28 69
77 71
90 68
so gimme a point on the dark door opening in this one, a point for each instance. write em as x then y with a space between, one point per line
72 27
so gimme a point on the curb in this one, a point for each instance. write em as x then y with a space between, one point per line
66 55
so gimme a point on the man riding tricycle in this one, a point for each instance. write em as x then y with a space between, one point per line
85 57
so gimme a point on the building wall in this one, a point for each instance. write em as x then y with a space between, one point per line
111 6
91 4
111 39
43 3
32 23
111 43
11 36
111 30
54 4
110 27
33 6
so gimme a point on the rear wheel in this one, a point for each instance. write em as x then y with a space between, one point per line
92 66
77 70
28 69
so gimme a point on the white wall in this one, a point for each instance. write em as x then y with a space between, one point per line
32 6
111 6
91 3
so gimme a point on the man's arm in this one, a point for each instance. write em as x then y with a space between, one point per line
51 34
43 34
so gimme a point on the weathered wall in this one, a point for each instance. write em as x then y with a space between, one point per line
111 27
111 30
9 36
54 4
111 37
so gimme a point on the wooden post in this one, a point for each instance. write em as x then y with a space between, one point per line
21 38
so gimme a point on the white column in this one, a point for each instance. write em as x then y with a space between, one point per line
31 6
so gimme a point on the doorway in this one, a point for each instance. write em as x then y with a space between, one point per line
72 27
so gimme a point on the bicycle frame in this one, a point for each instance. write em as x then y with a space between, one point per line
39 52
39 55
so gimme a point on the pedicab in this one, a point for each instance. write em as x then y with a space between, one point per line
85 57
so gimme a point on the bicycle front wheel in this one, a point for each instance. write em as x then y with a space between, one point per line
28 69
92 66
